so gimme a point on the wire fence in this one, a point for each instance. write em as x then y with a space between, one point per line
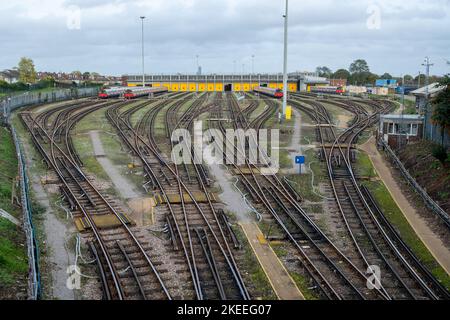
8 105
11 103
430 203
34 278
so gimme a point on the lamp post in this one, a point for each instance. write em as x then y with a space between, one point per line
143 63
285 60
253 64
198 65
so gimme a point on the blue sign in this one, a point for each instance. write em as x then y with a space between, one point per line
300 159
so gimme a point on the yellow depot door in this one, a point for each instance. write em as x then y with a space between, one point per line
237 87
192 87
292 87
156 84
167 85
254 85
202 87
175 87
210 86
183 87
280 86
273 85
219 87
246 86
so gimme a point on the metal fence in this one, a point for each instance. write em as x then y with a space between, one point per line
34 278
430 203
8 105
11 103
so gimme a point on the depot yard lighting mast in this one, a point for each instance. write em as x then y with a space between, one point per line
285 60
143 63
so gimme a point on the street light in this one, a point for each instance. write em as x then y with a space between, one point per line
253 64
143 63
198 65
285 60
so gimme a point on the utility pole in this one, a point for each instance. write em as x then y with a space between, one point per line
143 63
427 66
285 60
418 81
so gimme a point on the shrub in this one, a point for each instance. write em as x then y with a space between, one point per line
440 153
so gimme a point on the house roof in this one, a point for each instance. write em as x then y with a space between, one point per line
432 89
10 73
397 118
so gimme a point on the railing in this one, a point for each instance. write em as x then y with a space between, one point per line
9 104
430 203
34 278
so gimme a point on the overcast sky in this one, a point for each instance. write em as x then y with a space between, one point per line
393 35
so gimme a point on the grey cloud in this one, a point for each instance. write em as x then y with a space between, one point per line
321 33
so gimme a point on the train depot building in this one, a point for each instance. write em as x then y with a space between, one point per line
226 82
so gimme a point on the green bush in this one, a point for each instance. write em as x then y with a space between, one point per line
440 153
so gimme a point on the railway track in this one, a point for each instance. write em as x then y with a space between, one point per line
125 267
196 228
200 243
402 275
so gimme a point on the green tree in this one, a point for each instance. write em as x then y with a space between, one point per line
86 75
341 74
359 66
324 71
27 73
386 76
421 78
441 103
408 79
77 74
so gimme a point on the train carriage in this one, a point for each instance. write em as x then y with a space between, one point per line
114 92
271 92
133 93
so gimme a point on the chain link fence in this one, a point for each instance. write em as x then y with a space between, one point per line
34 278
11 103
8 105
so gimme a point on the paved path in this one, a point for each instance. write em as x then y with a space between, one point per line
122 184
435 245
296 147
279 278
282 283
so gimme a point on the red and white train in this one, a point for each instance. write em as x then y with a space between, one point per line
114 92
137 92
274 93
327 89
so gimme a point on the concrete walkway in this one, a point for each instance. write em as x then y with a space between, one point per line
296 147
435 245
282 283
122 184
279 278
